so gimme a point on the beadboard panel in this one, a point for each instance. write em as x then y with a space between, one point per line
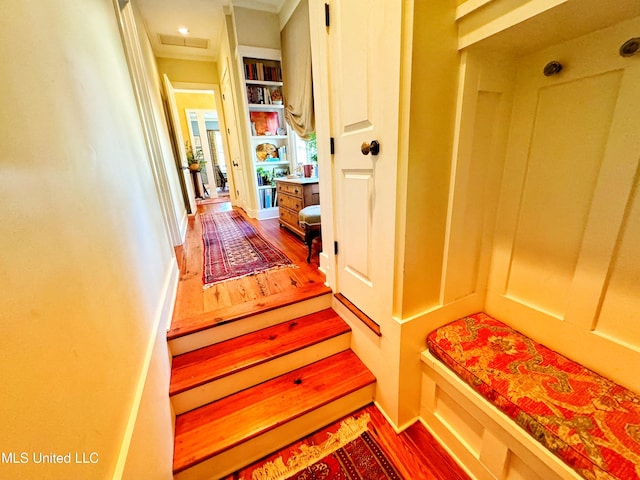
482 119
565 265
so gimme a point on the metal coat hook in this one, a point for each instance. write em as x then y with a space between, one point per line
552 68
630 47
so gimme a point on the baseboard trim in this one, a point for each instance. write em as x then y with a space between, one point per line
184 223
163 318
359 314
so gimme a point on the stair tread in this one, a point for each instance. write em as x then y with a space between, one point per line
209 430
204 365
186 326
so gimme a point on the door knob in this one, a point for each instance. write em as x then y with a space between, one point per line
373 148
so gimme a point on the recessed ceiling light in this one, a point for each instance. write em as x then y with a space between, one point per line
183 30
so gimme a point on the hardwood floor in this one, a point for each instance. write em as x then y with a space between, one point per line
210 430
256 348
192 301
415 453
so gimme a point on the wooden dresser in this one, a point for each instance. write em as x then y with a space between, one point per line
293 195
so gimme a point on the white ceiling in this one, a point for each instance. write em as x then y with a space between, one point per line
203 18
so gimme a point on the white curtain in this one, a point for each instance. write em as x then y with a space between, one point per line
296 72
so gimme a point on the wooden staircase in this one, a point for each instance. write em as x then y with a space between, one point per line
249 384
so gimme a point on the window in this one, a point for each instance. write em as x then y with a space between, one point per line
305 151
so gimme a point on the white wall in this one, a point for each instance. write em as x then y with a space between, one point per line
544 212
86 267
565 265
150 453
169 165
543 197
542 200
256 28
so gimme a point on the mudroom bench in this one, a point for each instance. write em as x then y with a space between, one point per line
510 408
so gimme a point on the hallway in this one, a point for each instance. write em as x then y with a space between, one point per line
415 452
265 290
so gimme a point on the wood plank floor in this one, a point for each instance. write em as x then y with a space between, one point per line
279 284
415 453
225 423
195 368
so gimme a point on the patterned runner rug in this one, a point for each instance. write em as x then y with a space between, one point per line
234 249
349 454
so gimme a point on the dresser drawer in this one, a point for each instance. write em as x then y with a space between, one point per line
290 188
290 218
293 203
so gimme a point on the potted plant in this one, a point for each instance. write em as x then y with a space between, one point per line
312 148
195 159
312 155
264 176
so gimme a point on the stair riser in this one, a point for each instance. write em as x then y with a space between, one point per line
230 384
247 452
220 333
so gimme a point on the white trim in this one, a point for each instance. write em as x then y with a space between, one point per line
191 86
258 52
188 90
257 5
187 186
204 140
475 455
470 6
163 317
140 84
506 20
397 429
320 70
286 10
184 223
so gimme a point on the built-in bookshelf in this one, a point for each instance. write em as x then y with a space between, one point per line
267 130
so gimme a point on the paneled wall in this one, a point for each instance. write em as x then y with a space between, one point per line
543 222
484 109
564 262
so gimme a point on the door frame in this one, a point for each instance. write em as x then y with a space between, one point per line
158 163
321 96
386 243
235 168
213 88
183 164
204 143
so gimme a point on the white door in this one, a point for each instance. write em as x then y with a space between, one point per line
201 141
188 191
364 56
234 174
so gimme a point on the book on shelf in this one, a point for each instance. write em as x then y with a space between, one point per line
262 95
266 123
282 153
267 197
262 73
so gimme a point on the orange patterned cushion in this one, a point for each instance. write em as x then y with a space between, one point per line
590 422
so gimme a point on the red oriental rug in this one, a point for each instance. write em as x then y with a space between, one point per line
349 454
233 249
361 459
